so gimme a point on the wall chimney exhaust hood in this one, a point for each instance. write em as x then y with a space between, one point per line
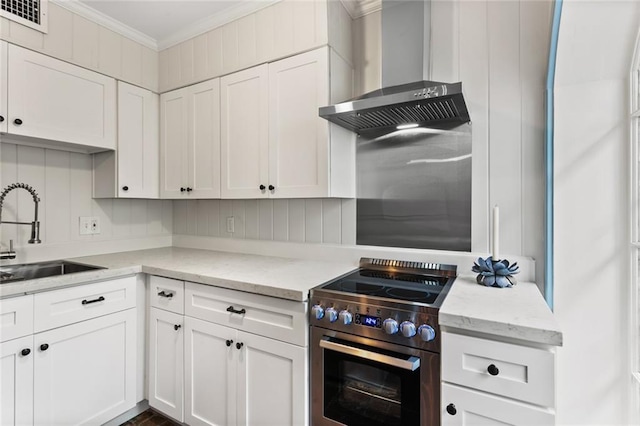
407 98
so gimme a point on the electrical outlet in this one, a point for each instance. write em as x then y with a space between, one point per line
230 225
85 225
95 225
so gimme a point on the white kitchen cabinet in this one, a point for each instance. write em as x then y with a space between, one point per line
255 380
84 372
166 362
287 151
3 86
16 386
55 101
190 141
133 171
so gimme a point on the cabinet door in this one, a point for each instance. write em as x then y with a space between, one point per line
85 373
298 137
16 386
4 117
245 142
204 139
210 385
174 143
138 142
272 382
61 102
166 361
471 407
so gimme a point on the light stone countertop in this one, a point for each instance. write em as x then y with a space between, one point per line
519 312
280 277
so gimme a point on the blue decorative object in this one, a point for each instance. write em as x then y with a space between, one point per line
495 273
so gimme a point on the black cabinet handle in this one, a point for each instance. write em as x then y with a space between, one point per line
99 299
125 188
239 345
262 187
182 189
229 342
235 311
44 347
451 409
176 327
167 295
189 189
493 370
25 352
271 187
17 122
1 119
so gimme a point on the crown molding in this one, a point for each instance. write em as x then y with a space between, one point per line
359 8
106 21
212 22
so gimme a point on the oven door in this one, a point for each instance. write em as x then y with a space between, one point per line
359 381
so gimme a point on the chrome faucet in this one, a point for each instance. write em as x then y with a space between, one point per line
35 224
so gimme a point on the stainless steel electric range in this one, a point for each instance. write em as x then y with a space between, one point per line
375 344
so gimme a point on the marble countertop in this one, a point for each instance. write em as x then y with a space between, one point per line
280 277
519 312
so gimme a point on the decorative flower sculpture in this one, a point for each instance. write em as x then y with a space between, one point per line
495 273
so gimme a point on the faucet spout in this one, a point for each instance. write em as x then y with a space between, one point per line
35 224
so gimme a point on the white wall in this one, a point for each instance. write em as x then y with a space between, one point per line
591 210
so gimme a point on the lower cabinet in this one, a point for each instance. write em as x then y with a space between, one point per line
16 386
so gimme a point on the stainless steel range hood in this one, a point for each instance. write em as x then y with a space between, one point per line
407 98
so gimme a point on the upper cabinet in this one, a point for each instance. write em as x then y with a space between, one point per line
190 142
133 171
276 145
3 86
56 101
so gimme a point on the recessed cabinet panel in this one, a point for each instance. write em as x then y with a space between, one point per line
53 100
16 386
245 145
174 143
16 317
4 117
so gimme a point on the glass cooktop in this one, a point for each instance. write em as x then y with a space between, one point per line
390 285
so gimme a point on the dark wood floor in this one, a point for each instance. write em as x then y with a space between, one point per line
150 418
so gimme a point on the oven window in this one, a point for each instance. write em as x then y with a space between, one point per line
358 391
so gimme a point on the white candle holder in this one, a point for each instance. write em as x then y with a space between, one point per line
495 273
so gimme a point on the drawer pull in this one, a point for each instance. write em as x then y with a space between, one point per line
87 302
493 370
25 352
44 347
176 327
167 295
451 409
235 311
229 342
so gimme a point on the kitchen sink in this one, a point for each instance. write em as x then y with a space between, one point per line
30 271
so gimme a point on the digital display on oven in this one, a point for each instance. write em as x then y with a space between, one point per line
368 320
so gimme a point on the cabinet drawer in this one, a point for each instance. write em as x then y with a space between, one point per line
16 317
167 294
514 371
266 316
61 307
477 408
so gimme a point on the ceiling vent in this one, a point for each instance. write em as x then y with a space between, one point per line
31 13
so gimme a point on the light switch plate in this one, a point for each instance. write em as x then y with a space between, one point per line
95 225
85 225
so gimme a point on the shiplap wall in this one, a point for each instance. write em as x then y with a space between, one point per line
63 182
328 220
74 39
283 29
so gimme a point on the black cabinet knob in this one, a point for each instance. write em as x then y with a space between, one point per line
125 188
493 370
25 352
1 119
182 189
177 327
229 342
262 187
189 189
239 345
451 409
17 122
271 187
44 347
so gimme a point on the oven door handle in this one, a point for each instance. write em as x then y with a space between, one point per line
412 364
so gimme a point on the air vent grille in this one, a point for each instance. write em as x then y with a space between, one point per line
31 13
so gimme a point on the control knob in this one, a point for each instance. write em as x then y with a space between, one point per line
332 314
317 312
390 326
426 332
345 317
408 329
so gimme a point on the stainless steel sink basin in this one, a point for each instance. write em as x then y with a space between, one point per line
30 271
